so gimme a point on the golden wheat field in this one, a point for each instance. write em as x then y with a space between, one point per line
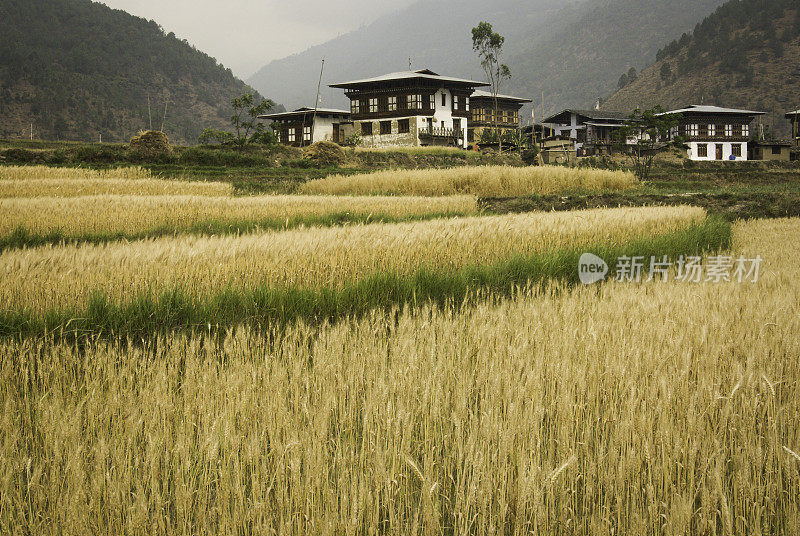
483 181
133 214
43 181
37 279
648 409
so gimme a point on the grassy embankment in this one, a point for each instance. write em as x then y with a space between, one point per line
49 205
323 274
44 205
480 181
256 170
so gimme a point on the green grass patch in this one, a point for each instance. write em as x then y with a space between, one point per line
268 305
21 237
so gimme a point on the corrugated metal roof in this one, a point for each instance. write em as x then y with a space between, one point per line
305 111
478 93
703 109
409 75
594 124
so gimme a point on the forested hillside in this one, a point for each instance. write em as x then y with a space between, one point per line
77 69
573 52
746 54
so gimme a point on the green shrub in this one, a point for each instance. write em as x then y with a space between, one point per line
531 156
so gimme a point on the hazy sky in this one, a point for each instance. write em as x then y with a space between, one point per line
246 34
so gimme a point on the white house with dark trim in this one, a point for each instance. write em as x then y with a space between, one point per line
410 108
714 133
591 130
305 126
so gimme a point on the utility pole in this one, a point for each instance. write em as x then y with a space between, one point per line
316 104
164 119
149 114
409 63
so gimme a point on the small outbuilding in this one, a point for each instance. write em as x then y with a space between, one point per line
305 126
773 151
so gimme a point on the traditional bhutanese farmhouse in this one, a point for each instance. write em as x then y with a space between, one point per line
482 105
794 117
592 130
714 133
305 126
410 108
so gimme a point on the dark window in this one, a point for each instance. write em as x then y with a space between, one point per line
404 126
702 150
776 150
444 99
736 150
457 124
386 127
366 129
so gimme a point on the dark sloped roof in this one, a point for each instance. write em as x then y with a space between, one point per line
594 115
423 74
795 113
322 112
705 109
481 94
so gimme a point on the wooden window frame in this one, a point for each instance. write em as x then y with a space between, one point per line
728 131
307 133
366 129
392 104
382 128
736 150
373 105
404 126
291 135
702 150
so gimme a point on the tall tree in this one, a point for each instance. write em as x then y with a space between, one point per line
489 46
245 117
643 135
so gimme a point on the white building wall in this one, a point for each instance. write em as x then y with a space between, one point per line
323 128
443 114
727 151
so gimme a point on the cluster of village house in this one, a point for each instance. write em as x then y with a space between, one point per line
423 108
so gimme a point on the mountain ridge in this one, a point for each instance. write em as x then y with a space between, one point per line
541 47
748 57
80 70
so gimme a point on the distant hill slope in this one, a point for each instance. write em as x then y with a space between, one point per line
78 69
574 52
435 34
747 54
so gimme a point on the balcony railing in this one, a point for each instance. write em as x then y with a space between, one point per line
441 133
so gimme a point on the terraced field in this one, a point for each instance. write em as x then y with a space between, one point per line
418 368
